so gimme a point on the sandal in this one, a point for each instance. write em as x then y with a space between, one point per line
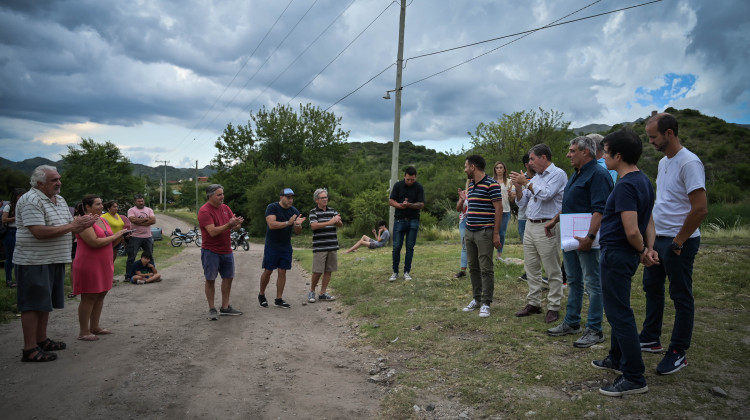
39 355
102 331
72 295
51 345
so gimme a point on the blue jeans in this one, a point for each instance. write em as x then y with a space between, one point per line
582 268
679 269
462 230
521 228
503 228
9 241
401 228
617 269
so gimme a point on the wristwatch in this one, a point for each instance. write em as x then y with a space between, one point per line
591 236
643 250
676 247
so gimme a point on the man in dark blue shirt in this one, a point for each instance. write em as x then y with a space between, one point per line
282 218
407 197
586 192
624 234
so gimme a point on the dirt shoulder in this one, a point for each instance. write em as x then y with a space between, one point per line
165 359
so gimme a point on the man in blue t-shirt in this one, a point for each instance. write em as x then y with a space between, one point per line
624 235
282 218
482 237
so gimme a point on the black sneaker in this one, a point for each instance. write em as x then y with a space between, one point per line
671 363
652 347
279 302
522 277
229 311
606 364
263 301
621 387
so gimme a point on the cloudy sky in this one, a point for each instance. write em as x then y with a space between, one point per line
162 78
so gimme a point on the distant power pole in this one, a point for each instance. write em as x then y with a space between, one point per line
397 112
165 183
196 186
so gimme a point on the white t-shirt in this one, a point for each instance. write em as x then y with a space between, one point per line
6 209
677 177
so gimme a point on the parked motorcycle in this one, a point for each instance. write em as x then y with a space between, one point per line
239 238
179 238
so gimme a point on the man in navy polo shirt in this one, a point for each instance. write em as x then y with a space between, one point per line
482 236
586 192
282 218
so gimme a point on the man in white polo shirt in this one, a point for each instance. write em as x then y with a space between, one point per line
43 247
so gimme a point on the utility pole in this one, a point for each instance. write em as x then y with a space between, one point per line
397 112
165 183
196 187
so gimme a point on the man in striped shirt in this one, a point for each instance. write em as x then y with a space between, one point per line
482 237
323 221
43 247
541 241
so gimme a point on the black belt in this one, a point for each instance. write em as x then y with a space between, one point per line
539 220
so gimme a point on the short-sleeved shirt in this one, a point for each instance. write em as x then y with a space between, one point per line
280 239
144 213
217 216
36 209
677 177
415 194
481 212
587 190
115 222
6 209
383 240
633 192
138 266
324 239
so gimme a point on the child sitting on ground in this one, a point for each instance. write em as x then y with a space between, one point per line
144 271
381 238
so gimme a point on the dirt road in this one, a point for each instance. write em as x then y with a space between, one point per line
166 360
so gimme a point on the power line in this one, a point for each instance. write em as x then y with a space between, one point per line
235 76
341 52
528 32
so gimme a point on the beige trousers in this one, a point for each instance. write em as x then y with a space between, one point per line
538 250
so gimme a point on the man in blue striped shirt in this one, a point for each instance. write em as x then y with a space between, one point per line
483 218
323 221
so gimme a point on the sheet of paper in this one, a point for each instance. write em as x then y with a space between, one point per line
575 224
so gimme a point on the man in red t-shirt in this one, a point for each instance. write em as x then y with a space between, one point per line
216 220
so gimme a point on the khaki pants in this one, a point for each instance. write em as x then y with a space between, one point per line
538 250
480 252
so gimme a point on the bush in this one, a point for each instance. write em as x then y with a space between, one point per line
367 208
722 192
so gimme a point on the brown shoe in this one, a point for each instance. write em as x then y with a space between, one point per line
528 310
551 316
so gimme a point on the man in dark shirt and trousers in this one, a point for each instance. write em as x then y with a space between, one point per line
624 235
586 192
323 221
482 237
407 197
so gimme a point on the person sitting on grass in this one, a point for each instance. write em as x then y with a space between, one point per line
144 271
381 238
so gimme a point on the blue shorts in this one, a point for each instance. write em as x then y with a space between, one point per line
215 264
40 287
277 258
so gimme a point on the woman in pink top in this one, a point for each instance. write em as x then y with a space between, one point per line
94 268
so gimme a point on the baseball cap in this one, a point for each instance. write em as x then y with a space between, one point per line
287 191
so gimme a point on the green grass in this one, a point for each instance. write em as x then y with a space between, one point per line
509 366
163 251
186 216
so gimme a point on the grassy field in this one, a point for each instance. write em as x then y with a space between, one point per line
508 367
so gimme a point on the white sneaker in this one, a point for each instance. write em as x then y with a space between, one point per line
407 277
471 306
394 277
484 311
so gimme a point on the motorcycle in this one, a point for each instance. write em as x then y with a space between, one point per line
239 238
179 238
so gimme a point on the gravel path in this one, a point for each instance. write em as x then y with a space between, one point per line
166 360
